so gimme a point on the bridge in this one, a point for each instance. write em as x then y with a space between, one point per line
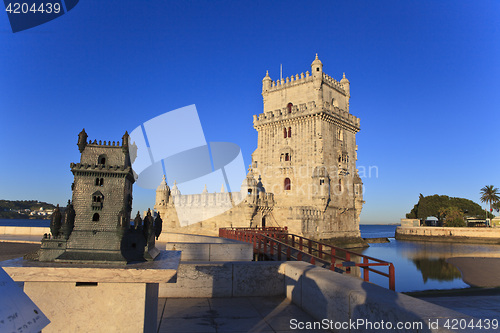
275 243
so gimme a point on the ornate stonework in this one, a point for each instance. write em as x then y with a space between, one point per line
96 226
305 163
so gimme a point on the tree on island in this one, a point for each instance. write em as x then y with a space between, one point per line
452 217
441 206
490 195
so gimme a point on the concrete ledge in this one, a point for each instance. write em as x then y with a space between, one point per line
328 295
213 252
443 234
29 231
231 279
321 293
174 237
207 248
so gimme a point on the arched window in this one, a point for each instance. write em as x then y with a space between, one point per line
101 159
97 200
289 132
340 185
101 183
95 218
287 157
97 182
288 185
289 107
284 132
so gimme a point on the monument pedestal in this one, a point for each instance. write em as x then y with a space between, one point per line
96 297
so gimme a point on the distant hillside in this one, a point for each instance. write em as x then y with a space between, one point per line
25 209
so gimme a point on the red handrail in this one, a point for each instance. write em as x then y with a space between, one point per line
268 240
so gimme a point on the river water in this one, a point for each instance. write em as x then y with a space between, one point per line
418 265
421 265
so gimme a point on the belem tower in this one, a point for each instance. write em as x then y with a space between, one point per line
303 173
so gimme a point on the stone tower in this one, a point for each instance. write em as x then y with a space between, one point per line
98 227
306 154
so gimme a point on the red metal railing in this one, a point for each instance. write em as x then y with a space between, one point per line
277 243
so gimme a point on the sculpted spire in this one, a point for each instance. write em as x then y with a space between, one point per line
125 138
82 140
266 82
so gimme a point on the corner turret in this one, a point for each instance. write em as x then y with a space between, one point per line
266 83
347 87
162 194
317 68
175 189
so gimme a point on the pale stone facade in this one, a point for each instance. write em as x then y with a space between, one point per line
246 208
306 154
305 162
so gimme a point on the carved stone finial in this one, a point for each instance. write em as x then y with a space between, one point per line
69 221
138 221
82 140
158 225
148 228
55 222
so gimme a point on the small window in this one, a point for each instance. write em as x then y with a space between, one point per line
317 69
289 107
101 182
284 133
97 182
287 157
95 218
289 132
249 191
101 159
321 181
288 185
340 185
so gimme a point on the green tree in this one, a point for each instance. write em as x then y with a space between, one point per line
432 204
490 195
452 217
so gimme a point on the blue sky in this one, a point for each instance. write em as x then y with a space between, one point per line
425 81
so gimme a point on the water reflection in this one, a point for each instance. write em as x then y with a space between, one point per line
422 265
437 269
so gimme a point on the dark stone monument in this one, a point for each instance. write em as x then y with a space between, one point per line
96 223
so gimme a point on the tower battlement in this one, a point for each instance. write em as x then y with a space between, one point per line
101 143
297 92
305 110
302 79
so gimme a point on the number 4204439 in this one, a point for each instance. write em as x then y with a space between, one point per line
25 8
